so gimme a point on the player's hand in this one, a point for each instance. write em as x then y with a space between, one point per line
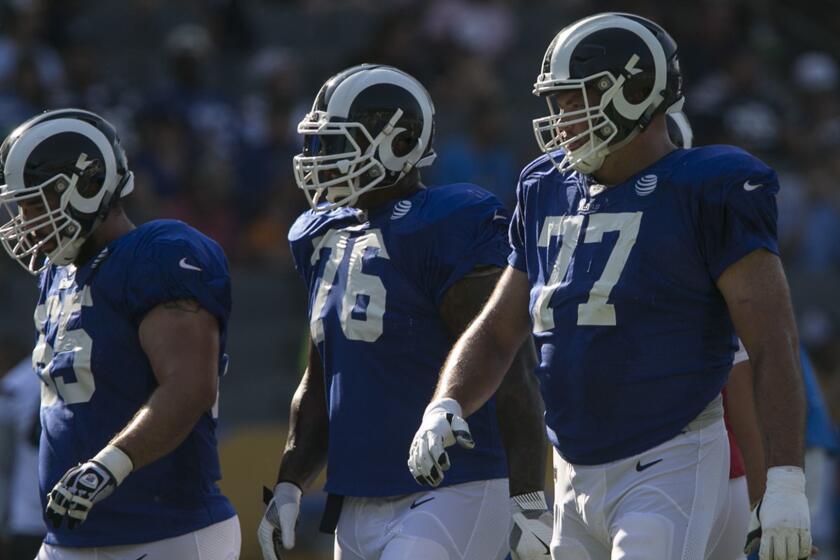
533 525
84 485
277 528
780 527
442 426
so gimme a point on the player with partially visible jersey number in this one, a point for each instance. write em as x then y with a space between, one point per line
633 263
395 272
131 324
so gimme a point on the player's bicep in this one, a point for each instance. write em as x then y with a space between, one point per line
758 298
181 340
312 386
504 319
464 300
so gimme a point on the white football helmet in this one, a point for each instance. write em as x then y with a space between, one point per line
626 71
369 126
60 172
679 129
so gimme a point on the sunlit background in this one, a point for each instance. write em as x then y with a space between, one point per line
206 95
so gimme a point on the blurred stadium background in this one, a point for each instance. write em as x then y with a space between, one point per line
207 93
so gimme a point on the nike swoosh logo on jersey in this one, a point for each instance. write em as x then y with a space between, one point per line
187 266
750 187
141 558
640 467
421 502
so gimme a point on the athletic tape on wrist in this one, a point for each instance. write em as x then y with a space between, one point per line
116 461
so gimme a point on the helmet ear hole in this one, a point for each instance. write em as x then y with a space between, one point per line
91 179
403 143
638 88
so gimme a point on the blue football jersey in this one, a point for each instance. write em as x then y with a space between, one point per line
96 377
634 338
376 282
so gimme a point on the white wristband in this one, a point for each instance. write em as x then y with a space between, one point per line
288 490
788 478
116 461
532 501
447 405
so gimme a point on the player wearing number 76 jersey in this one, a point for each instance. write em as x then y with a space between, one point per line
131 324
395 271
629 256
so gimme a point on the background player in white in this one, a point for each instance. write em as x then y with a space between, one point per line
20 396
132 327
631 257
395 272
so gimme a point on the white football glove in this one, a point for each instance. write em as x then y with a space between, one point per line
533 525
277 528
781 521
442 426
86 484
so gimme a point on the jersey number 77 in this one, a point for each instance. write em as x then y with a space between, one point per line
596 311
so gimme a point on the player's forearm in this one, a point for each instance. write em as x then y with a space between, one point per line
780 401
164 422
306 445
485 351
740 410
475 367
520 411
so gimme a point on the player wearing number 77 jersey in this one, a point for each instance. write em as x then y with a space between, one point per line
131 325
629 256
395 271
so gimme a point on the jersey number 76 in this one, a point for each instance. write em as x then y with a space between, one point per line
362 296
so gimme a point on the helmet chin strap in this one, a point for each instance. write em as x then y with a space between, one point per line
66 254
591 163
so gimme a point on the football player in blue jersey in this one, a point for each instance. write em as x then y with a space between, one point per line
131 324
395 272
633 263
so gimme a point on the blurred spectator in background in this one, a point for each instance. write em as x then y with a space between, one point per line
482 27
25 94
267 197
480 154
190 91
22 25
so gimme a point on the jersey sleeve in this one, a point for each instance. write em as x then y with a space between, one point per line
177 269
300 244
516 232
471 237
739 215
740 354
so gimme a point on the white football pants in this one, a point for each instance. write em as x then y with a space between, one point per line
220 541
659 505
729 534
469 521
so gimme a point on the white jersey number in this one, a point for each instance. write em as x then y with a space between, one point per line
596 310
359 286
75 341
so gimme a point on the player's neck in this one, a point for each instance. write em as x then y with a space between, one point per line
646 149
115 225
